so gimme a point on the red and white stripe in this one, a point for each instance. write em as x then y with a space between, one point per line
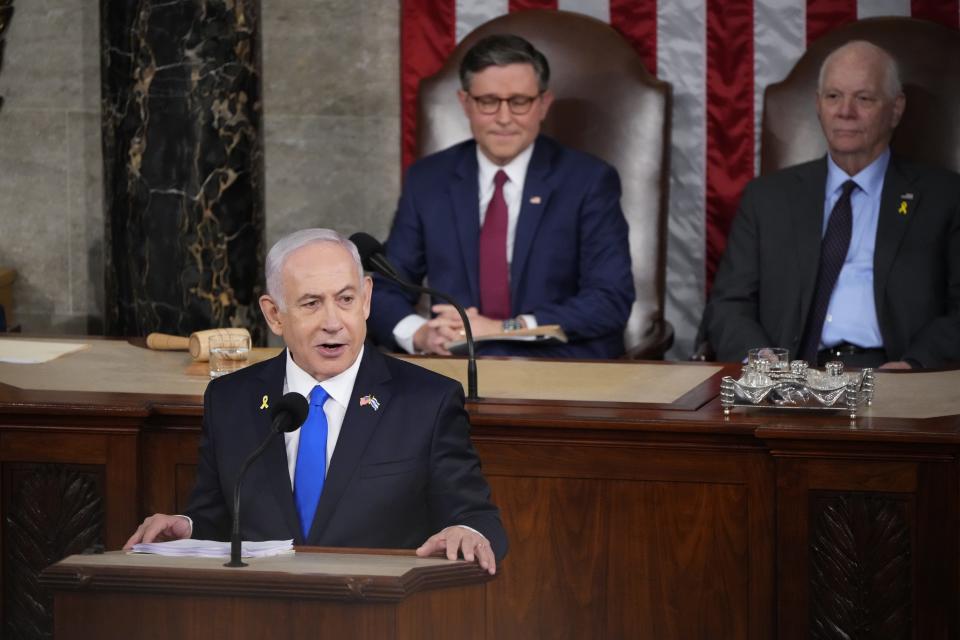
719 55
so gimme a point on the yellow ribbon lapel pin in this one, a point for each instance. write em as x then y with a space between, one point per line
264 404
902 210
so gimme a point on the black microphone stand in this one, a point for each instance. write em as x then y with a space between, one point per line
471 352
235 560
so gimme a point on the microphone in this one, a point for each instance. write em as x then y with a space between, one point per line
288 414
374 258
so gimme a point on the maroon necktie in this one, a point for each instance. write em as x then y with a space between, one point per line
833 252
494 276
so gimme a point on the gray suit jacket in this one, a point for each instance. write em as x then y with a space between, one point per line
765 283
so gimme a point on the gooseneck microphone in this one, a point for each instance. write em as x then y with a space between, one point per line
288 414
374 258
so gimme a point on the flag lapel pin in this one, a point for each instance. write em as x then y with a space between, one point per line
370 401
535 200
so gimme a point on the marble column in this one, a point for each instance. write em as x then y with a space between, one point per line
183 165
6 13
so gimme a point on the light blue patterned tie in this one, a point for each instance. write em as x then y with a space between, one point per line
311 460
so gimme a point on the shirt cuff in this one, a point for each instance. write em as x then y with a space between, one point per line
403 332
463 526
188 519
529 320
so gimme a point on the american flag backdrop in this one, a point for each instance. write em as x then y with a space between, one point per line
719 55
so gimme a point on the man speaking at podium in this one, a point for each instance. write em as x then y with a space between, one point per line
384 458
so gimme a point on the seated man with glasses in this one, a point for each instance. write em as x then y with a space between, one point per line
518 228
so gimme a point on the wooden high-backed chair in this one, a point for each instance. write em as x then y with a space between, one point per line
607 104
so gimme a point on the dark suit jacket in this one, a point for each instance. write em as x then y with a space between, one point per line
764 286
571 258
398 474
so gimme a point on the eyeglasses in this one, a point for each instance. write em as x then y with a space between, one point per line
490 104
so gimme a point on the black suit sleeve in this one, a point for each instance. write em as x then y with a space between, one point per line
732 316
937 343
458 492
208 507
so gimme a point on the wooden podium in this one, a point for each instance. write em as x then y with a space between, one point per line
314 593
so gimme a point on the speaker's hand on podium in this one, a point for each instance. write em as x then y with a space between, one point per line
464 541
160 528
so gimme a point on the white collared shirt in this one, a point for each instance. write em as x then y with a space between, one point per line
339 387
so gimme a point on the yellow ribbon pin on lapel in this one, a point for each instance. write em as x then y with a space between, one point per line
903 208
263 404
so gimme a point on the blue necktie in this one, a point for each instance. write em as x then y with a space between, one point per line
311 460
833 253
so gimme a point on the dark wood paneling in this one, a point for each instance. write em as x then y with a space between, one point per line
689 575
169 462
637 540
425 616
553 582
624 521
162 617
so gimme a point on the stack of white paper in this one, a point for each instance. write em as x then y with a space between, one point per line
213 549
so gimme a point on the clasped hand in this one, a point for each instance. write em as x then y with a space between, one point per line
446 326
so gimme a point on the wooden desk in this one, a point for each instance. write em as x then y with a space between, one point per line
626 519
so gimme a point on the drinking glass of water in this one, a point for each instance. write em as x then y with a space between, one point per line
228 353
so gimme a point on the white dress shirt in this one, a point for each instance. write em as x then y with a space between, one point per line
339 388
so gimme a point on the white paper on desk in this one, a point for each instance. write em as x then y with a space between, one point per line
16 351
189 547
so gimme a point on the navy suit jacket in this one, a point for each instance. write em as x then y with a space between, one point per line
765 284
399 473
571 258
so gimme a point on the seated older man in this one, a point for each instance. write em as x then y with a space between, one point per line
855 256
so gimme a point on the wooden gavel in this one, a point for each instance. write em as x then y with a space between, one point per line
198 344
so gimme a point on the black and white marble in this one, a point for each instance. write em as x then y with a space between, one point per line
183 165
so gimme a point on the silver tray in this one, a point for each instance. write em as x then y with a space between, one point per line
798 387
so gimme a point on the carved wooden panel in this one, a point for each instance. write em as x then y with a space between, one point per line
52 511
860 566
